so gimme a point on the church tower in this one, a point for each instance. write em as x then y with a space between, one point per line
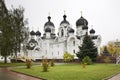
64 27
49 29
81 26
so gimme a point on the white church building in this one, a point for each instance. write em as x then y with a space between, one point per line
52 45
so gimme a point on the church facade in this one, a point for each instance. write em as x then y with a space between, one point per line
52 45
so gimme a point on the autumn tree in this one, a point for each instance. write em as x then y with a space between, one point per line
111 48
68 57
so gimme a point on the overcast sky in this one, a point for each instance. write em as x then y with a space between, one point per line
104 15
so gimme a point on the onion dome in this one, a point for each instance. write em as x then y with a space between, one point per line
64 20
71 30
32 33
81 21
49 23
92 31
85 27
94 37
32 41
38 33
47 29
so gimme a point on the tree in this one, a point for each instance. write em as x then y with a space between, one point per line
18 23
102 49
106 52
68 57
87 60
6 29
87 49
11 26
111 48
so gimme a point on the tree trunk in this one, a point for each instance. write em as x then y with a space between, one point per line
15 55
5 59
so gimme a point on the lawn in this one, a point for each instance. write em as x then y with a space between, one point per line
15 64
11 64
73 71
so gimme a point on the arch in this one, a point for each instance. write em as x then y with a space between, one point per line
37 48
62 32
71 37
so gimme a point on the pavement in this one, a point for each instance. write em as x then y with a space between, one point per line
116 77
7 74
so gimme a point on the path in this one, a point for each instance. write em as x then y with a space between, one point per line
6 74
116 77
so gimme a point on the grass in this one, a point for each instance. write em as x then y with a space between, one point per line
14 64
73 72
11 64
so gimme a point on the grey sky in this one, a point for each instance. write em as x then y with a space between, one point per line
104 15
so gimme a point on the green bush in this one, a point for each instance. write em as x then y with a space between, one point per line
45 65
107 60
87 60
52 62
28 63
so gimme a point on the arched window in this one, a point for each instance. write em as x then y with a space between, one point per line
62 32
73 43
73 51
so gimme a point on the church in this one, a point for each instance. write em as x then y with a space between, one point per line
51 45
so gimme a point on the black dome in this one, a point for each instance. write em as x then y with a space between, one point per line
32 33
71 30
47 29
81 21
49 23
92 31
85 27
64 21
32 41
38 33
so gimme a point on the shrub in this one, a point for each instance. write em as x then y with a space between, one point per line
28 63
84 65
68 57
107 60
87 60
52 62
45 65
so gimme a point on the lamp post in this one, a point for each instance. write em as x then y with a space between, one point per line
116 44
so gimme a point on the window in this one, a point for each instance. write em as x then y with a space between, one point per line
73 51
62 32
73 43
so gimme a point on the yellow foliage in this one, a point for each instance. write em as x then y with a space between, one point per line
102 49
111 48
68 57
119 49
